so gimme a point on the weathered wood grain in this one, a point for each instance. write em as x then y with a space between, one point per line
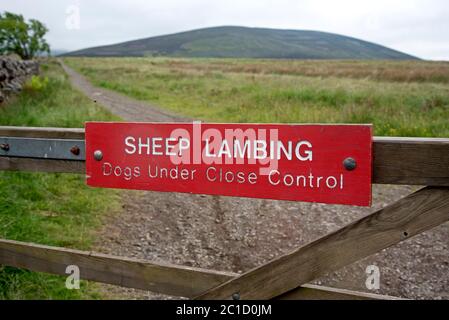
315 292
140 274
42 165
127 272
413 161
407 217
42 132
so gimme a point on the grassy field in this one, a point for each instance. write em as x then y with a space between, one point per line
52 209
408 98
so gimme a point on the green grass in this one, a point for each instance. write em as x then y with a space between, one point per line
399 98
51 209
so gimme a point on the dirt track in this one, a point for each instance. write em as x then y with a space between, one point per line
236 234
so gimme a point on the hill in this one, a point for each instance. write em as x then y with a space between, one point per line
243 42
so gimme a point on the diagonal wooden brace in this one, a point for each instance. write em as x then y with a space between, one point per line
416 213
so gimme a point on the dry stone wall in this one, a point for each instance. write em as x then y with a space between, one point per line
13 74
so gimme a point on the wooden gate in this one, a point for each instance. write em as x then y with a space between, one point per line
407 161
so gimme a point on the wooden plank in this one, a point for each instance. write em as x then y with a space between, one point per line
414 161
41 165
42 132
315 292
407 217
139 274
127 272
397 160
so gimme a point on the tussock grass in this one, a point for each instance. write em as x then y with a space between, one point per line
395 71
51 209
408 98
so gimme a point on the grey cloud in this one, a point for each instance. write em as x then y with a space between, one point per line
416 27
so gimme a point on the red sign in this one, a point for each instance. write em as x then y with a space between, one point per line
313 163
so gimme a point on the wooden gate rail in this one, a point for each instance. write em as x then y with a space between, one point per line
141 274
411 161
127 272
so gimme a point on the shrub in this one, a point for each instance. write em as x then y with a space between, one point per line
36 83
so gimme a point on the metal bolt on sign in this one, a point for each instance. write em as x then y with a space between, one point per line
98 155
349 164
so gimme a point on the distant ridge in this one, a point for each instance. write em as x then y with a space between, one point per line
244 42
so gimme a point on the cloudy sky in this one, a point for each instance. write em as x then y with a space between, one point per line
417 27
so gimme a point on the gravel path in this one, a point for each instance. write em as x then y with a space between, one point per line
126 108
237 234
